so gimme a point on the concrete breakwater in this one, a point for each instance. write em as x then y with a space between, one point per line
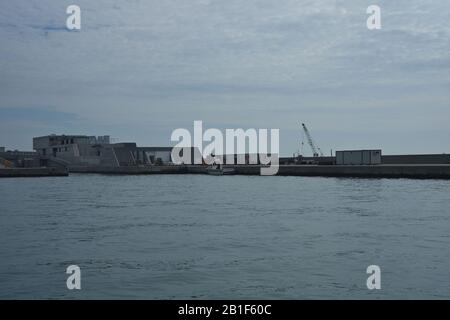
413 171
363 171
357 171
33 172
130 169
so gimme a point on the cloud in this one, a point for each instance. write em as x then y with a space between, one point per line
37 114
144 68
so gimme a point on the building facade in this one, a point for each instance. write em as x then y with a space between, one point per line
70 149
80 150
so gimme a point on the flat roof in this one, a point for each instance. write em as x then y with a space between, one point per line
155 148
62 135
358 150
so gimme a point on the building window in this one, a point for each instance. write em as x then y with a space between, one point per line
65 149
71 140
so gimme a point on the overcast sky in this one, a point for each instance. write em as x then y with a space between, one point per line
139 69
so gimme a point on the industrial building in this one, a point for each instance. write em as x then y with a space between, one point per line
18 159
72 149
61 154
87 151
358 157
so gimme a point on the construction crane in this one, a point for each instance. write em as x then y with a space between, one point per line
315 150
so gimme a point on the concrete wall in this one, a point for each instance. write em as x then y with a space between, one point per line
416 159
351 171
108 157
32 172
388 159
355 171
124 155
40 143
131 170
150 157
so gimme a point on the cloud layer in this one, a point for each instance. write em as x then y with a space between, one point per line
139 69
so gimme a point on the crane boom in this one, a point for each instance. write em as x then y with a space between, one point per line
314 149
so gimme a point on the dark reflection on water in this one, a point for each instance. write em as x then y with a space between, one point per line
237 237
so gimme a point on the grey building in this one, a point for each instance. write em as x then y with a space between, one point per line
18 159
70 149
80 150
358 157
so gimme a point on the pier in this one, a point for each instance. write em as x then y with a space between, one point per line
410 171
33 172
60 155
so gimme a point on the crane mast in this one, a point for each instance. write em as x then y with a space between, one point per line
316 150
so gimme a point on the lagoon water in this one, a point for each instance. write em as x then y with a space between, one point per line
210 237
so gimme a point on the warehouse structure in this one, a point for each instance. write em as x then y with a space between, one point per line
82 150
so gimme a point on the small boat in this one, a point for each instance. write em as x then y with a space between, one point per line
219 170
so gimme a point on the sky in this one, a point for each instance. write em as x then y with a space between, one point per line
139 69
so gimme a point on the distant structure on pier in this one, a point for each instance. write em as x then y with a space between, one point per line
81 150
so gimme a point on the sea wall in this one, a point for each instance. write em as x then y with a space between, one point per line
129 169
416 159
364 171
33 172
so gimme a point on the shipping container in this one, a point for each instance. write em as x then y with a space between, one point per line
358 157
